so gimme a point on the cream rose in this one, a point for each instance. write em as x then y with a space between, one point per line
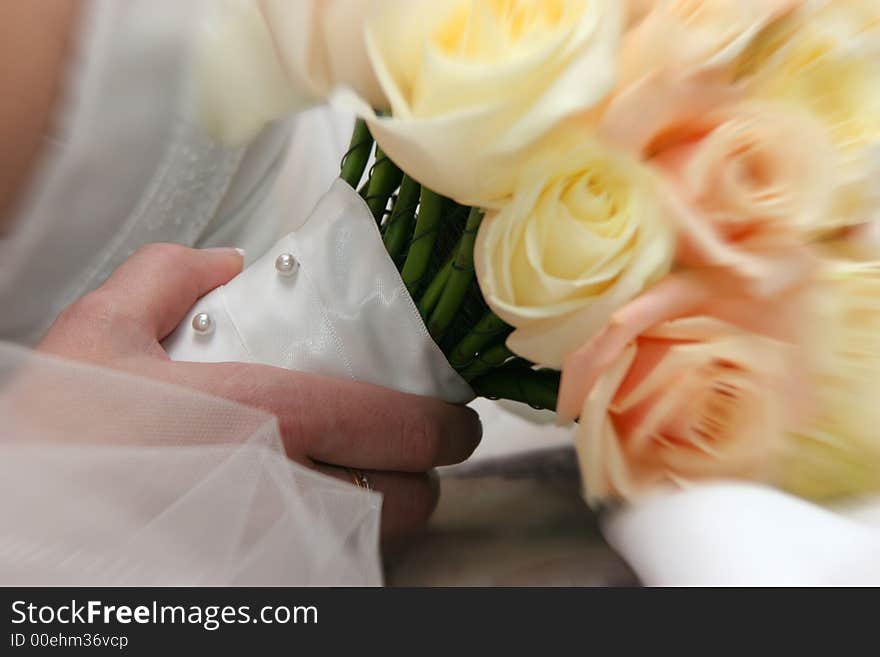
825 60
837 452
583 235
473 84
690 399
259 60
749 188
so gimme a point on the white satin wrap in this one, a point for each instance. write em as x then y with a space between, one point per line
344 313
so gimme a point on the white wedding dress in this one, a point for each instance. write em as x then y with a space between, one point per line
107 479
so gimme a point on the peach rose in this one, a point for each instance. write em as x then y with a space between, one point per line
678 58
749 189
673 392
689 35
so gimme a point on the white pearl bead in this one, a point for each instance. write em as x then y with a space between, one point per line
286 264
203 324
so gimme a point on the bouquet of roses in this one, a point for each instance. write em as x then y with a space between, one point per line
644 201
654 217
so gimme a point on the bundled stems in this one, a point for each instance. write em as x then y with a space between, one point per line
384 179
431 206
460 278
519 382
411 236
486 361
487 330
355 160
432 295
400 225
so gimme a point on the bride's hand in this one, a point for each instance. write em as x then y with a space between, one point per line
326 424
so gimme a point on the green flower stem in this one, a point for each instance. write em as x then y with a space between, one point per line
384 179
460 278
365 188
481 356
486 361
487 330
400 225
431 207
517 382
432 295
359 150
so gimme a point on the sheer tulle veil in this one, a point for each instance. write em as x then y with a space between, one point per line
109 479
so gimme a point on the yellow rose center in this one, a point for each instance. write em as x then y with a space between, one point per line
485 31
592 209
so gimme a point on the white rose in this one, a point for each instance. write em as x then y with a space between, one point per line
836 453
473 83
825 60
259 60
583 235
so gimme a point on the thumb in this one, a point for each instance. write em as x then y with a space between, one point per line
160 283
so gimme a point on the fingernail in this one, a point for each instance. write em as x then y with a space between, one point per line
240 252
